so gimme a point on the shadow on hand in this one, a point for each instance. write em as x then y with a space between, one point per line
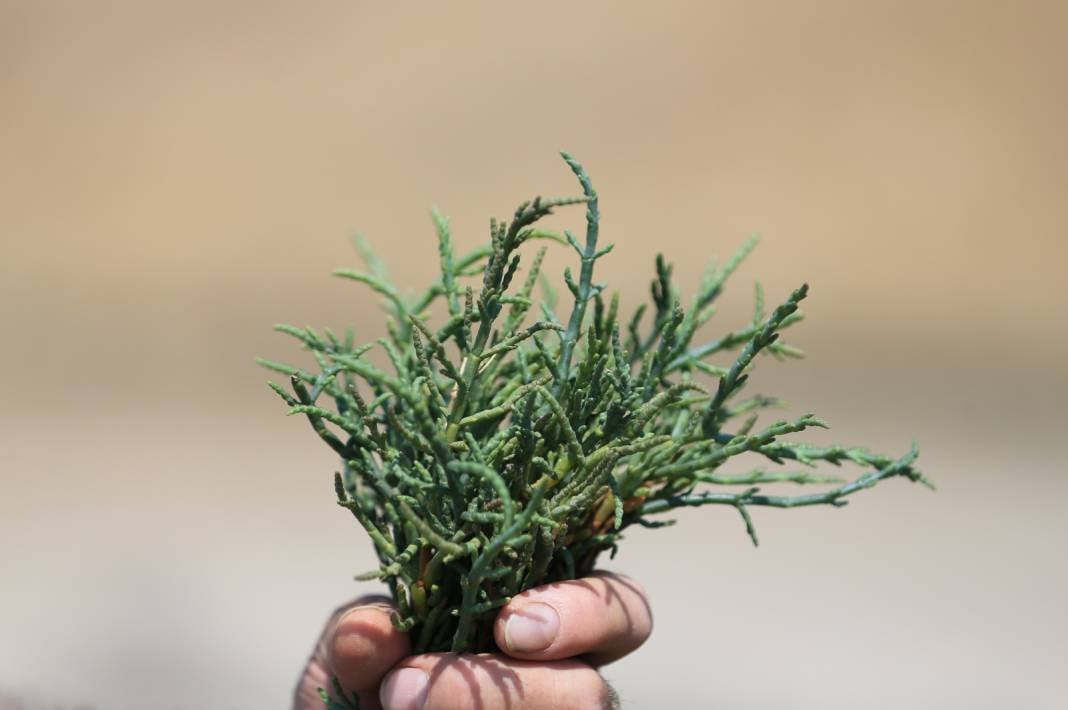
475 670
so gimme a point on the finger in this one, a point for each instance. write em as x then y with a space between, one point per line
603 617
362 646
313 678
358 645
444 681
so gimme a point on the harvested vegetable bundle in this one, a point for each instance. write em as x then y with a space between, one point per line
505 448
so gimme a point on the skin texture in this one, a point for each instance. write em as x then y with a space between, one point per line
554 638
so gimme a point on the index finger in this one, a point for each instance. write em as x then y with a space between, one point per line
359 645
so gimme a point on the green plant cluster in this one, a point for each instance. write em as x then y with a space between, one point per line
500 451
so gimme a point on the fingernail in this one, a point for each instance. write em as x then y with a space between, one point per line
532 628
404 689
348 637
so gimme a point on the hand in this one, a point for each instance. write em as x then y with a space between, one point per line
552 637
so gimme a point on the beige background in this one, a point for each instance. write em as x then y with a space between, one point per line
176 177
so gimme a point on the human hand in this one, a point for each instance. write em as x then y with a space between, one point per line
552 638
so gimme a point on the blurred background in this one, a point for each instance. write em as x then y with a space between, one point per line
177 177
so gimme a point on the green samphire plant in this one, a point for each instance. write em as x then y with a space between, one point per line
505 448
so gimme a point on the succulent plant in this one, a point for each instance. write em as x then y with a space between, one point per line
499 452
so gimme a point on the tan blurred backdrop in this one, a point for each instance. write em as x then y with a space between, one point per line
177 177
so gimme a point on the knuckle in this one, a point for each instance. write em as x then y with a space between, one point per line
306 694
